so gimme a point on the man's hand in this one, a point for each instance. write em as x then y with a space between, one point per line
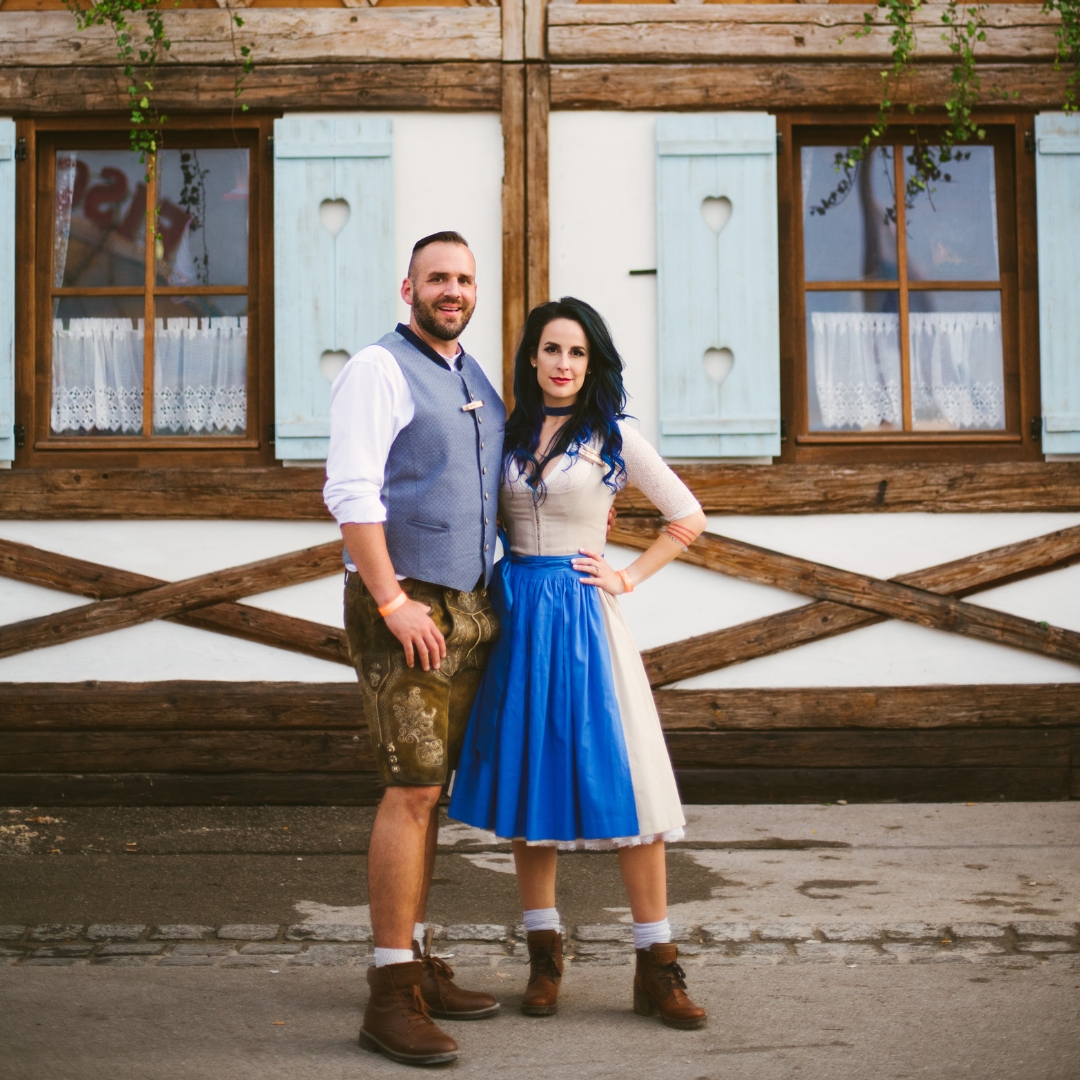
412 625
612 514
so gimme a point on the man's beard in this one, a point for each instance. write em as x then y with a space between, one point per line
428 320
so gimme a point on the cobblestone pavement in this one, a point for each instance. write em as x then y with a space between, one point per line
1015 945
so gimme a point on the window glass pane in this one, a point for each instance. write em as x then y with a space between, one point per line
200 366
952 227
849 218
203 217
957 378
853 351
99 218
97 366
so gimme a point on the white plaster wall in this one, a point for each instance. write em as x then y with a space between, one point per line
688 601
170 550
448 171
603 225
682 602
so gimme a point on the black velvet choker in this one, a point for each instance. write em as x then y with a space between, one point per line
562 410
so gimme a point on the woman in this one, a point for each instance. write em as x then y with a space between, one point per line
564 747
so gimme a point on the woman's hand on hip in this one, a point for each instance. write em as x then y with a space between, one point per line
598 572
421 639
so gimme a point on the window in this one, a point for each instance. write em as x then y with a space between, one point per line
905 321
148 323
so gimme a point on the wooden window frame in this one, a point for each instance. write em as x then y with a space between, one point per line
34 303
1015 174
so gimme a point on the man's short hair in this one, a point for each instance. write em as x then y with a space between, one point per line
446 237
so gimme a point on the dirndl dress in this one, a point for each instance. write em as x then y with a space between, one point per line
564 745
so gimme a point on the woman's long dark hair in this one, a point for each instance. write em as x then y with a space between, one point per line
598 408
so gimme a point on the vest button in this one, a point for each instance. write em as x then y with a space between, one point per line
485 494
486 547
484 470
481 446
485 521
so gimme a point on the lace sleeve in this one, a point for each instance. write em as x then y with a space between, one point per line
645 469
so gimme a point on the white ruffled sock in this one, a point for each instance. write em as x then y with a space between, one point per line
544 918
385 957
651 933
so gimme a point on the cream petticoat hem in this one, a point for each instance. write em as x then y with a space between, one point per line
668 837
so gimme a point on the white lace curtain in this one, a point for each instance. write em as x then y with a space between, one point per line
956 359
200 376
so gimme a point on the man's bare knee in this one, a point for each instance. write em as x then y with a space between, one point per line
415 802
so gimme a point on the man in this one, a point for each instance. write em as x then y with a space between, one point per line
412 479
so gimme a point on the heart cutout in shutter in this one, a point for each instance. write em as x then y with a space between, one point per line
716 212
331 362
334 213
718 364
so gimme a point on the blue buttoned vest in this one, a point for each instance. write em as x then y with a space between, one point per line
441 487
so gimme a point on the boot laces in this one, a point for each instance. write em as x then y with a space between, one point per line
419 1009
439 967
543 963
671 976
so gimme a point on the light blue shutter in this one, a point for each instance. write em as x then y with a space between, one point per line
7 290
718 285
332 293
1057 180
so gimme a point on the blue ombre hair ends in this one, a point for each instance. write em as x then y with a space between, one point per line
599 406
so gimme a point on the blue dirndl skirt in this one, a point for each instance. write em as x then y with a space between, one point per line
544 756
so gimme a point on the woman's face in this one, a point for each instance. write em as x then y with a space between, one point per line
561 360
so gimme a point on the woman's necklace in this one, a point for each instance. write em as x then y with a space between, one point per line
561 410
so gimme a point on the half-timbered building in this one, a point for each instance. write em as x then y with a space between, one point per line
875 397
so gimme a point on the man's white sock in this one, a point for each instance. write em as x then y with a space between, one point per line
651 933
544 918
418 933
385 957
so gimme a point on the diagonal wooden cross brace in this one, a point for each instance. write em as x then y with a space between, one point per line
186 600
848 601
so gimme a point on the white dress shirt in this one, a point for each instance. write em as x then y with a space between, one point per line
370 403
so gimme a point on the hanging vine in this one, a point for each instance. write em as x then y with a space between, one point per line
139 51
965 28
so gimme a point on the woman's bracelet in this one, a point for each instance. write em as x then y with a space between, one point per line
680 535
628 581
393 605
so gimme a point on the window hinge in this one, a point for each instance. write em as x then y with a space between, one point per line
779 142
783 430
270 434
21 151
1029 142
1036 428
20 436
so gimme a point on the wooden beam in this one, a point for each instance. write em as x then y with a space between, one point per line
37 567
536 29
190 789
277 35
908 749
892 599
788 32
871 785
815 622
170 599
537 86
1020 487
1045 705
513 30
458 87
515 273
253 706
742 85
296 494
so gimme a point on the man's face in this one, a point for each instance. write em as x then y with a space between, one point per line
441 289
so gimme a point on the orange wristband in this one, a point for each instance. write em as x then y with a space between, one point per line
394 604
628 581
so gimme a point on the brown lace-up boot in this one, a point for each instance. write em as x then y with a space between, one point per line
443 997
660 987
545 971
396 1021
